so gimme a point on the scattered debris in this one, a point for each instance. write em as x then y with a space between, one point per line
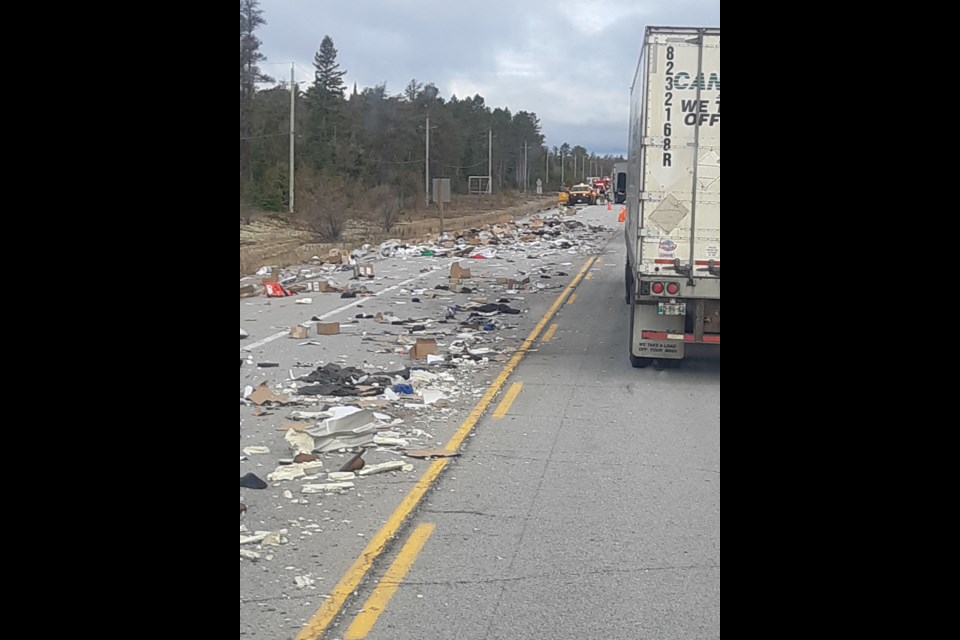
355 463
256 451
303 582
431 453
299 442
377 384
263 395
374 469
329 487
251 481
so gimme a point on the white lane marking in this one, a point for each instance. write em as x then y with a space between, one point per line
330 314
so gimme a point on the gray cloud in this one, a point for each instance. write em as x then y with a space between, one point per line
569 61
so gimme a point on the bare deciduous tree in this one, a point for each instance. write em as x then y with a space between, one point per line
384 206
324 207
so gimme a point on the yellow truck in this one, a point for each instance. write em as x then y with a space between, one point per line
582 194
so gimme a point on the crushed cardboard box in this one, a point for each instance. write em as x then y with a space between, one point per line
263 394
423 348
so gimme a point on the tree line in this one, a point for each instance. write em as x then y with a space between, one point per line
367 140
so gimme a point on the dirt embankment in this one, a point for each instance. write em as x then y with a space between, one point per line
272 240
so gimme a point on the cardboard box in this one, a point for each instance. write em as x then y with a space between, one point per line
459 273
423 348
299 332
328 328
363 270
320 286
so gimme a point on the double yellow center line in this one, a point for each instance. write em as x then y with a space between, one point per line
377 603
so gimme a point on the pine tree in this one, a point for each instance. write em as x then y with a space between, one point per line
326 96
328 78
251 18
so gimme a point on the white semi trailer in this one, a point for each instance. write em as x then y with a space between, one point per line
673 195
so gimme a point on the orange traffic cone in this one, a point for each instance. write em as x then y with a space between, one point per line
609 206
623 214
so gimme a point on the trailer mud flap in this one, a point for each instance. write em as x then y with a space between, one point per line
656 349
647 319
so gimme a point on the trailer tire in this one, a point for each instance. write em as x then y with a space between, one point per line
640 363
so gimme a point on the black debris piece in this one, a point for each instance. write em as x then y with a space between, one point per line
251 481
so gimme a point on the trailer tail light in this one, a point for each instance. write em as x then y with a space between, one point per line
657 288
673 288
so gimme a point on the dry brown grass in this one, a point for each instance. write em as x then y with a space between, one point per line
274 240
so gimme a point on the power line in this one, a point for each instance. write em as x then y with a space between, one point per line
482 162
420 161
305 70
308 72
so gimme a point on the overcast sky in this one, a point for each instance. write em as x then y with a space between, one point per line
570 62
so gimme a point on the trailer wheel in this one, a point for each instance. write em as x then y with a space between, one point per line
640 363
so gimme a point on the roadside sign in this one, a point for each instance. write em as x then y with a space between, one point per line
441 189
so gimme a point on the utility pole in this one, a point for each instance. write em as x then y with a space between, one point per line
427 181
547 154
489 161
293 106
563 168
526 172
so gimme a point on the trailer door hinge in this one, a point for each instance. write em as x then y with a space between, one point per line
682 269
